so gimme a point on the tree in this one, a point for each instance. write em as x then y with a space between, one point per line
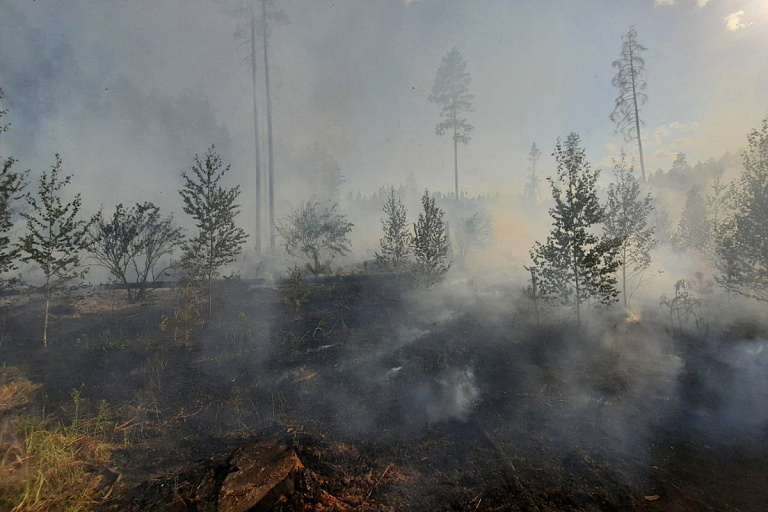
532 190
744 252
248 34
131 244
250 38
631 85
12 185
575 264
717 206
322 172
280 17
395 244
693 229
663 228
213 208
317 233
450 91
727 256
474 231
626 220
55 236
430 245
533 293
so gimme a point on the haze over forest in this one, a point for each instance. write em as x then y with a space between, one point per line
383 255
128 92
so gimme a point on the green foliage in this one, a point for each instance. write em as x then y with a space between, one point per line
430 246
55 235
575 264
131 244
450 91
533 293
212 206
54 467
663 228
681 306
626 220
694 228
316 233
12 184
297 291
320 170
186 319
473 232
395 244
742 238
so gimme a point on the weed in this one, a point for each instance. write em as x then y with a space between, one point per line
15 389
681 306
186 318
53 468
155 369
297 290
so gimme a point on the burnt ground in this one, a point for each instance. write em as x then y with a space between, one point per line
411 401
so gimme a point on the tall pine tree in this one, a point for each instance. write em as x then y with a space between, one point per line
450 91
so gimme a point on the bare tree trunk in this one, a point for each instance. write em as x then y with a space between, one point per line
637 113
576 281
578 301
624 275
269 132
456 166
47 310
45 323
535 294
257 154
210 297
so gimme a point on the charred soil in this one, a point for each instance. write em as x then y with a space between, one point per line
393 400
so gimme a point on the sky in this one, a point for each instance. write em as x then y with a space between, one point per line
128 92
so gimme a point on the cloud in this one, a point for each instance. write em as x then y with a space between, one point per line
673 132
734 21
699 3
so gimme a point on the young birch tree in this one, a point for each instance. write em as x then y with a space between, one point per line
395 244
575 264
55 236
626 220
131 244
316 233
12 185
213 208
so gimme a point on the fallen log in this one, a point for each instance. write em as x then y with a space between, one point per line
261 476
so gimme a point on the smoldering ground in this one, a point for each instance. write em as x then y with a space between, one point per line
368 363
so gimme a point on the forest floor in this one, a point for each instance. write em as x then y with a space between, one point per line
451 399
